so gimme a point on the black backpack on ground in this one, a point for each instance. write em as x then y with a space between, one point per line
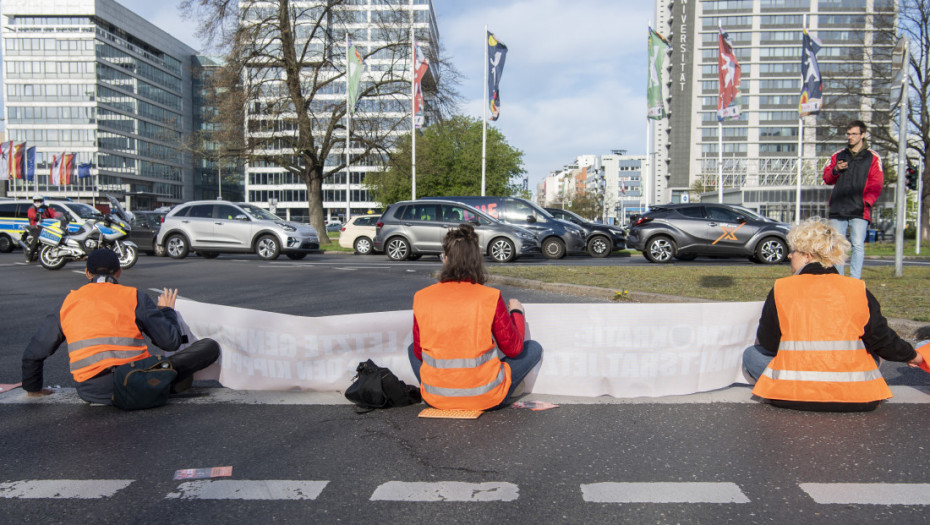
377 387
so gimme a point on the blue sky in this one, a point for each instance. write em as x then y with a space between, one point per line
574 82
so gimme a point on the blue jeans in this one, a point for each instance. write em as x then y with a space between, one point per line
520 366
857 231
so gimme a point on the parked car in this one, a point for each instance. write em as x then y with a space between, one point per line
145 226
685 231
334 227
214 227
600 239
556 237
359 234
411 229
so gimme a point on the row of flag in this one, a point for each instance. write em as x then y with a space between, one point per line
18 162
729 75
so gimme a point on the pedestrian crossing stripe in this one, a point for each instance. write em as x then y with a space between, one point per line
445 491
271 489
692 492
869 493
63 488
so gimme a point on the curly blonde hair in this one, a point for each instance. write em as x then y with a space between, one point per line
819 239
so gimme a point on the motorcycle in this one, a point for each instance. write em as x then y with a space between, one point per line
59 246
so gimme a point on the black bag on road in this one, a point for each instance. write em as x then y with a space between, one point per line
377 387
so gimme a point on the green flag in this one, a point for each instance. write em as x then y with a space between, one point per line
658 48
353 75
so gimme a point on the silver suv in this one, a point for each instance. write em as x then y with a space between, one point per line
410 229
215 227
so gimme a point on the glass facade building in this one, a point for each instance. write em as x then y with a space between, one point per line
760 149
92 78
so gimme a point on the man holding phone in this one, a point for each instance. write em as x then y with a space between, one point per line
856 175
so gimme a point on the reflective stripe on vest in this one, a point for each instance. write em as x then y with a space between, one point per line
821 357
461 363
835 377
99 324
466 392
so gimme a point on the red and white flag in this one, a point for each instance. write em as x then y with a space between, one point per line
420 66
55 173
729 75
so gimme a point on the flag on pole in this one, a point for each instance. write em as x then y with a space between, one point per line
6 159
67 167
729 76
55 172
658 48
18 167
420 65
811 85
497 54
353 75
31 163
84 170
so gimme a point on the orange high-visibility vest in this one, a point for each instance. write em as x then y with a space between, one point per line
821 357
99 323
461 363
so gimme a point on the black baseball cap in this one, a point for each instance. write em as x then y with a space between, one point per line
103 262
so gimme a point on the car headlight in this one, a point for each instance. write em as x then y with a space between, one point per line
286 227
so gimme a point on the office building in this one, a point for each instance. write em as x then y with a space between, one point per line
365 21
760 149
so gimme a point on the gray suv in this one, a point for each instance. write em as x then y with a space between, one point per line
410 229
215 227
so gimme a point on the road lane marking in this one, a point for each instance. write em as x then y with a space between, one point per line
663 493
869 493
271 489
63 488
445 491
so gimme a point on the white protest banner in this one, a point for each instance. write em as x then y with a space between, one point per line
621 350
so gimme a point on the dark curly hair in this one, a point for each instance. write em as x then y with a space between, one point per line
464 261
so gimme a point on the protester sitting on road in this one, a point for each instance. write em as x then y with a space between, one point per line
102 324
455 325
821 334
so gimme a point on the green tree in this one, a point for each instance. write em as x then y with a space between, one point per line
449 163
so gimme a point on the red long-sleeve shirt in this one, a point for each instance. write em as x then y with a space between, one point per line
508 329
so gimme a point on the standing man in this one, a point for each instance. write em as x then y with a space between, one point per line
102 325
36 213
856 176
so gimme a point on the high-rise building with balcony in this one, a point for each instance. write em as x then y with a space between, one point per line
92 78
760 149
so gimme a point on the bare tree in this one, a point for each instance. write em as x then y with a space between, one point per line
864 86
286 64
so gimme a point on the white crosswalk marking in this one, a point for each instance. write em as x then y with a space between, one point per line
445 491
869 493
271 489
663 493
63 488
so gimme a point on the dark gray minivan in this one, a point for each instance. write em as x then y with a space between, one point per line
556 237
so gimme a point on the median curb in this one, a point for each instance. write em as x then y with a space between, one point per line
905 328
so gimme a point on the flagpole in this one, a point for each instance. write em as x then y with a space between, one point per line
797 206
413 117
644 191
719 129
348 131
484 114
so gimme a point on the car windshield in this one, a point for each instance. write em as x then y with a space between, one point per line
84 211
260 213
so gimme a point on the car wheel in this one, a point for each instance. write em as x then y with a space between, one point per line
502 250
209 255
6 244
553 248
660 249
362 245
397 249
296 256
686 256
267 247
599 246
177 246
771 250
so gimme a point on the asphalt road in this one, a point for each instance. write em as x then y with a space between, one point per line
307 458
